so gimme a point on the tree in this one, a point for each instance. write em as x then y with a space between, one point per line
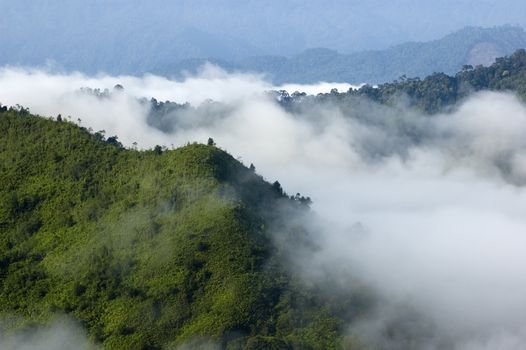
100 134
252 167
305 201
211 142
158 150
113 140
277 187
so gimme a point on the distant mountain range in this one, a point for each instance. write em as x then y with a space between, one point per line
469 46
288 40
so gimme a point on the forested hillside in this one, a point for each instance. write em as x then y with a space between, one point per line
151 249
439 90
434 93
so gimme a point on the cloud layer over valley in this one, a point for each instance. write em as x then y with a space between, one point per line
426 210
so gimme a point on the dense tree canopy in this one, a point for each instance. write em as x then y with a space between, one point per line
150 249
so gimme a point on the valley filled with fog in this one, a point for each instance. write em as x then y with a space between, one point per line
425 210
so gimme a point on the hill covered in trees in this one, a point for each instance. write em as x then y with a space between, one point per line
152 249
435 93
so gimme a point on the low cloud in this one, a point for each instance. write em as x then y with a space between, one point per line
61 335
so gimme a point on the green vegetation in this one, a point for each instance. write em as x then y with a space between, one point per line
150 249
439 90
433 94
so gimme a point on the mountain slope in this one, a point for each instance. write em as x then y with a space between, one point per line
147 249
435 93
440 91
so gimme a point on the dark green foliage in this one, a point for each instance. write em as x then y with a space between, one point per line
266 343
433 94
148 249
113 140
439 90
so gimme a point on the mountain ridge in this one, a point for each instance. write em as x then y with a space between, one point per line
471 45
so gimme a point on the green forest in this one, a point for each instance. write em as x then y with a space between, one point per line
435 93
151 249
